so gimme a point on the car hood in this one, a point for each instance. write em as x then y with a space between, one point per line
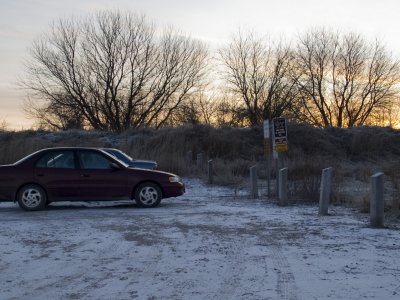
143 161
162 173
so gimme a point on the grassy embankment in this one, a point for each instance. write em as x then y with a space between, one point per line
355 154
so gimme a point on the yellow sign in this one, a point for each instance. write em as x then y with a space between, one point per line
281 147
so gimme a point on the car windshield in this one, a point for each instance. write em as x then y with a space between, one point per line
121 155
112 154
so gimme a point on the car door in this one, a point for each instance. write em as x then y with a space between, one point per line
57 172
98 179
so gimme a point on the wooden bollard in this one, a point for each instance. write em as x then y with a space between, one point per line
253 179
325 192
210 172
189 156
282 198
200 159
377 200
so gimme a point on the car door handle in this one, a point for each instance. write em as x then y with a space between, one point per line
39 175
85 175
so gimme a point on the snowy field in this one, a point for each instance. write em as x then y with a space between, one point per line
207 244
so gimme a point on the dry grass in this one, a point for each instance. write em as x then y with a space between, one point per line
355 154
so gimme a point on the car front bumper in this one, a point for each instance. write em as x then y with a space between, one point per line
174 190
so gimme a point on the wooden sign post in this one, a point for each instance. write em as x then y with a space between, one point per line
280 145
267 151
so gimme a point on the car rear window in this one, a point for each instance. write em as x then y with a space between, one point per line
58 159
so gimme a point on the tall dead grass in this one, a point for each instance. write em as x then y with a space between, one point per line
355 154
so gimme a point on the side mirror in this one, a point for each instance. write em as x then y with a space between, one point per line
114 166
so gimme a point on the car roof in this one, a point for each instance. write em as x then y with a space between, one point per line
78 148
71 148
66 148
38 152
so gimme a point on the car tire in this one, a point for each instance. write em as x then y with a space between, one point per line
32 197
148 194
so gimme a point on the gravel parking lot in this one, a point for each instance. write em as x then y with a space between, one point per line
207 244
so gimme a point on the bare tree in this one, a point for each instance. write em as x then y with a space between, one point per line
51 115
3 126
386 116
260 75
230 111
115 70
199 109
342 79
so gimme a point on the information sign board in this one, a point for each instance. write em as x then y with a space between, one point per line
280 134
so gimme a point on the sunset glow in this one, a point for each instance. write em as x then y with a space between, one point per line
213 22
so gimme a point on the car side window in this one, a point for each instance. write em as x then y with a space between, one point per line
93 160
57 160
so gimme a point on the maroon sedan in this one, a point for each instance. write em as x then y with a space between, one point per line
83 174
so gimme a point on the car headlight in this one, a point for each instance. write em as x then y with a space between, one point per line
174 179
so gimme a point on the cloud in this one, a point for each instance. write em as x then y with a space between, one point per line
12 33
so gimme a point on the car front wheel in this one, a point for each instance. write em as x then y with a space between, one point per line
148 194
32 197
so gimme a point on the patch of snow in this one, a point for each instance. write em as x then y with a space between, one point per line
206 244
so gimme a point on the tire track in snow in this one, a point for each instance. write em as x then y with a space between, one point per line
286 284
233 272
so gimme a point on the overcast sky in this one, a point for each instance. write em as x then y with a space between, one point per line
21 21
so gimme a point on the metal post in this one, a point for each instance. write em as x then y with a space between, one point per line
325 192
269 176
253 178
210 172
189 156
280 164
281 160
282 199
267 151
276 176
200 160
377 200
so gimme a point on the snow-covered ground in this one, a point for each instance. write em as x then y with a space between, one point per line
207 244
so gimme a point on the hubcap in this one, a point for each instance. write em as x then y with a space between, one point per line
148 195
31 198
